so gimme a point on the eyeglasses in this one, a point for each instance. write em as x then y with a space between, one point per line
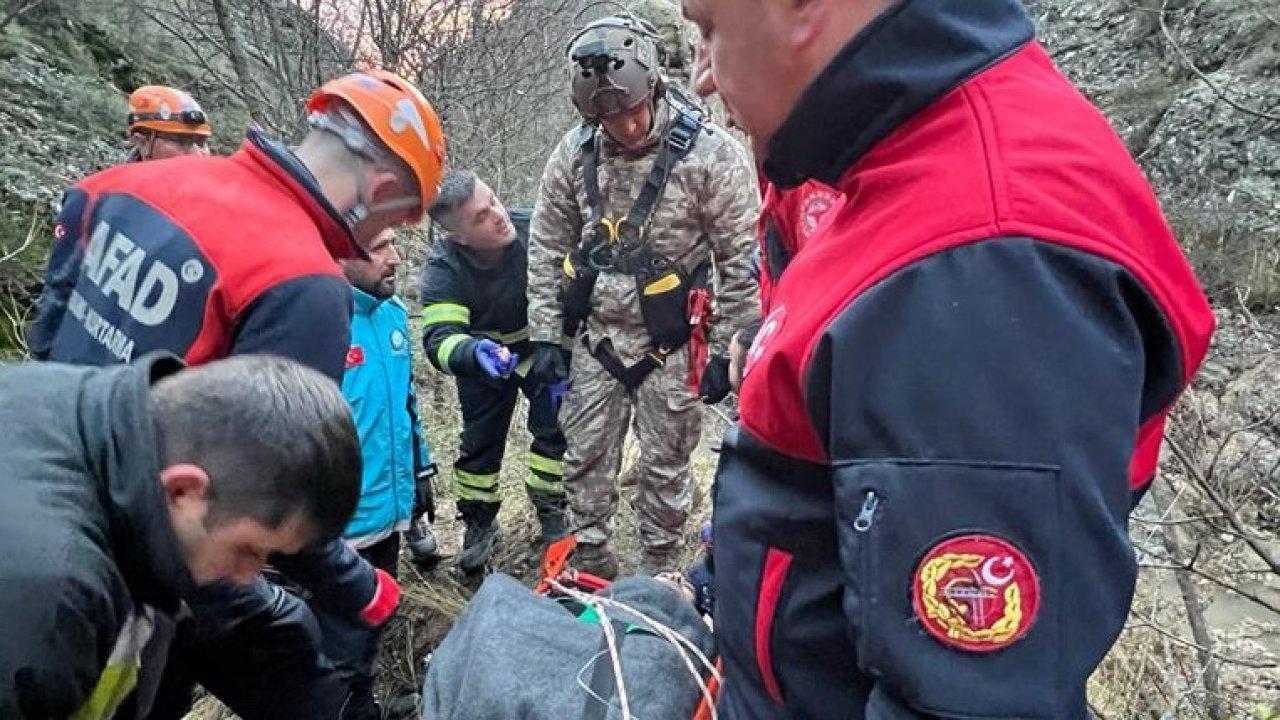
186 117
179 139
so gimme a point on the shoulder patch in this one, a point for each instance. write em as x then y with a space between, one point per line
975 592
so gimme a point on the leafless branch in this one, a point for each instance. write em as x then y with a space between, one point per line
1154 626
1229 512
1186 60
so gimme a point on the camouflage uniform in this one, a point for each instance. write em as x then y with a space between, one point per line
707 211
677 49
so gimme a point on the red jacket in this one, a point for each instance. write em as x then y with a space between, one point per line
204 257
976 320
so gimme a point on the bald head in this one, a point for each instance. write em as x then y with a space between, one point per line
765 53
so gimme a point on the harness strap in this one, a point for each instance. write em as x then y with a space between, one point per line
681 135
678 140
589 150
632 376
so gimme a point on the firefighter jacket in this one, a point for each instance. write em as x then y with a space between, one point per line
977 319
464 301
92 577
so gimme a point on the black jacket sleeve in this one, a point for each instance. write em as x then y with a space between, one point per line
446 318
307 319
994 390
337 577
61 273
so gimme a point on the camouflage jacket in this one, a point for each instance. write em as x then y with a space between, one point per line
707 211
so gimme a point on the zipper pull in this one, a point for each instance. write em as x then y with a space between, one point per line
868 513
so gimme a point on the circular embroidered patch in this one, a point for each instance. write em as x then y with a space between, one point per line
976 592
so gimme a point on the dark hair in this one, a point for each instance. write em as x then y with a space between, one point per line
275 437
456 188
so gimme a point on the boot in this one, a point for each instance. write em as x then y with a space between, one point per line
553 514
597 560
421 540
481 536
664 559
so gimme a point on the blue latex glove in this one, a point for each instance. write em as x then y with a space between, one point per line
495 360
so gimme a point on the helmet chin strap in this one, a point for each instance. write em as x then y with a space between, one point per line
364 205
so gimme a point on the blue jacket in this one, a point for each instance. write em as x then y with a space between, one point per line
378 384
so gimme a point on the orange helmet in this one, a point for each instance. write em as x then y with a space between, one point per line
167 110
400 116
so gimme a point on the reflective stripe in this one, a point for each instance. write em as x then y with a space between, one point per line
542 463
474 486
537 482
510 338
120 676
486 496
479 481
445 351
522 370
438 313
479 487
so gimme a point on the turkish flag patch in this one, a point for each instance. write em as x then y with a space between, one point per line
355 356
976 592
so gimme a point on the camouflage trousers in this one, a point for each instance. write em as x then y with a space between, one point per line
667 422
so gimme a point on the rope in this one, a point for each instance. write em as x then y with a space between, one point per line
680 642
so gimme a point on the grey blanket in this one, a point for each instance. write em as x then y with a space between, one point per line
514 654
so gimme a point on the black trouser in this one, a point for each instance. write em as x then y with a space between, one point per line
487 406
353 646
257 649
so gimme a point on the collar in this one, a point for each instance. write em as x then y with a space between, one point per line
913 54
122 442
365 303
285 168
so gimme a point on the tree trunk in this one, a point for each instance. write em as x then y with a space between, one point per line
1176 544
238 61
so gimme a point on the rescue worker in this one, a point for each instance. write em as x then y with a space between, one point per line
395 487
976 319
676 39
643 210
475 327
165 122
125 487
209 257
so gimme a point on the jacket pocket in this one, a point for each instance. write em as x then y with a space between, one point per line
776 564
951 583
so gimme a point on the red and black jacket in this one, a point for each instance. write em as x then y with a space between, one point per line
207 257
203 257
976 320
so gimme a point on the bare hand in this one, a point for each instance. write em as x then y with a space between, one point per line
737 354
704 83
